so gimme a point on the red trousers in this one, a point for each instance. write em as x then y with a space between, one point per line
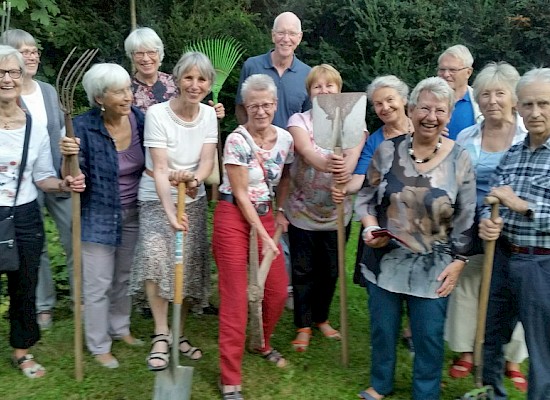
230 243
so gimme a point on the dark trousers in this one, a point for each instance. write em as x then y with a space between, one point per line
29 233
314 257
502 316
530 277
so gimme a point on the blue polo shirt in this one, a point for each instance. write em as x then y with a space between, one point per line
291 88
463 116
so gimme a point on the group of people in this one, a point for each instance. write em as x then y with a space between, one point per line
422 176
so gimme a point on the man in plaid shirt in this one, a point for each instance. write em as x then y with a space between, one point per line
521 277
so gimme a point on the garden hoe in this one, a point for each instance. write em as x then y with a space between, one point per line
339 124
257 275
483 392
66 83
174 383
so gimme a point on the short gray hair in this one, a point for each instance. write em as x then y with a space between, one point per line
196 59
258 83
494 74
143 38
461 52
436 86
389 81
536 75
291 15
18 38
9 53
102 77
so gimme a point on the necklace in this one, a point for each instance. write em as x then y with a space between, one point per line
423 160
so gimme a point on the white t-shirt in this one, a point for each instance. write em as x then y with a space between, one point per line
39 163
36 107
182 140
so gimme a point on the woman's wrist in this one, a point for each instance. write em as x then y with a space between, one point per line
369 229
62 186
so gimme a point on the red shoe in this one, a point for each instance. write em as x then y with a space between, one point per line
460 369
518 379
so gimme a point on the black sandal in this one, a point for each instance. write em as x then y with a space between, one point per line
159 355
193 353
275 357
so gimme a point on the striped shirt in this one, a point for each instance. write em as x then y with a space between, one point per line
527 172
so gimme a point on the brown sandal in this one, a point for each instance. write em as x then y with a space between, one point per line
328 331
301 345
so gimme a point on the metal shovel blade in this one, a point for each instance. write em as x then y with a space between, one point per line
174 385
339 119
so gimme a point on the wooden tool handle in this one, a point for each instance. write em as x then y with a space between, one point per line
180 248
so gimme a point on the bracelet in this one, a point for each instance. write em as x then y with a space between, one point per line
464 259
281 209
368 229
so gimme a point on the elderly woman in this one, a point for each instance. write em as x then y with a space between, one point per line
18 195
40 100
312 215
180 139
494 91
150 86
255 157
112 159
420 187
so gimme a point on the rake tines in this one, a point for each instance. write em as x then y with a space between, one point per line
66 88
6 14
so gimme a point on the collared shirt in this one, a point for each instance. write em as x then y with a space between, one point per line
464 115
527 172
292 95
101 205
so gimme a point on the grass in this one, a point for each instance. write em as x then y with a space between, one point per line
311 375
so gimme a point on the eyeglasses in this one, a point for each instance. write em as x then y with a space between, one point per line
282 34
13 73
141 54
426 111
451 71
254 108
28 53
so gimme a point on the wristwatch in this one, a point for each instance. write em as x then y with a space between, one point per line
464 259
529 214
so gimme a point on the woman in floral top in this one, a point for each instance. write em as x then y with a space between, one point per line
420 187
256 155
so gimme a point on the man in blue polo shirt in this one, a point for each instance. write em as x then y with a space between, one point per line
455 66
283 66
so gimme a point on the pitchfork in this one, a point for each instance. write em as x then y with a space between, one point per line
66 84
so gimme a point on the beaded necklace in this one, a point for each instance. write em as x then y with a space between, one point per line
423 160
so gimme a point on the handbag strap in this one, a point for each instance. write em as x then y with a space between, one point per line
251 143
23 164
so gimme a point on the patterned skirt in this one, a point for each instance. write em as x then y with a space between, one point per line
154 255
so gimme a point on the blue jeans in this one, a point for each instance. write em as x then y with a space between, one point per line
427 320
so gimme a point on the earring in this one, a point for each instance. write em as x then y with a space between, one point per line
102 108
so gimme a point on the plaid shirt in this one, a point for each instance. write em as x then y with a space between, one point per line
528 174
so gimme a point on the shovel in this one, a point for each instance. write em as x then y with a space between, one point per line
483 392
257 275
338 124
175 382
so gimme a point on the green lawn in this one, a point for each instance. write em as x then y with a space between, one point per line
316 374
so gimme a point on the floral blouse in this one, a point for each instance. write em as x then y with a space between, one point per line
162 90
240 149
432 212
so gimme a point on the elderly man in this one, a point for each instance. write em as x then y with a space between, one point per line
283 66
289 75
521 280
455 66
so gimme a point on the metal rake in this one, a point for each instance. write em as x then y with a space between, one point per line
66 86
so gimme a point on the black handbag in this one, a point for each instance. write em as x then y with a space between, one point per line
9 254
